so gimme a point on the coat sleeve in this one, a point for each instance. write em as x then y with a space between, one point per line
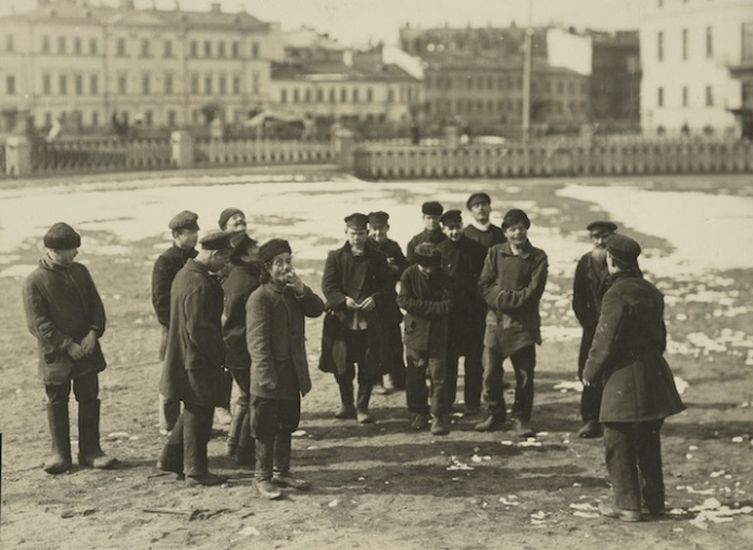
331 282
385 286
613 311
580 293
161 291
203 332
400 261
408 300
311 304
234 327
409 252
97 318
509 301
488 288
259 341
38 319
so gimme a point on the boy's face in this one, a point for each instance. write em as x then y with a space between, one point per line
356 237
280 267
63 257
480 212
453 231
186 238
378 231
431 222
517 234
426 270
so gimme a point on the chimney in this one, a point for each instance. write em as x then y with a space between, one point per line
216 7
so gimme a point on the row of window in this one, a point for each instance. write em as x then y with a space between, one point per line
685 96
503 83
345 95
685 44
467 106
147 48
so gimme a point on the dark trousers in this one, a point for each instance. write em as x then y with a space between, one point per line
590 398
85 388
633 456
416 394
186 448
523 363
272 423
396 368
242 379
472 381
356 343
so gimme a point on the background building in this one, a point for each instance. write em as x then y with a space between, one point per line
697 62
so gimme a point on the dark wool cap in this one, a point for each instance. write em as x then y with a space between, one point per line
379 218
427 255
227 214
357 220
514 217
432 208
477 198
623 248
184 220
241 247
272 248
601 225
62 236
215 240
451 216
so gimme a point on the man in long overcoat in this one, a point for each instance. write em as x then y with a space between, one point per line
194 359
358 288
65 314
639 392
185 231
462 260
589 285
432 233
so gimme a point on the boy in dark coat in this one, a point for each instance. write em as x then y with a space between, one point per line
359 289
462 260
426 296
276 339
185 230
589 286
193 360
639 392
65 314
242 280
378 228
481 229
430 213
512 283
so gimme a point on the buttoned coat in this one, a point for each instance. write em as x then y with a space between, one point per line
627 353
427 301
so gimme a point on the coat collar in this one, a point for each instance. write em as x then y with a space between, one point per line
198 267
526 250
47 263
186 252
635 273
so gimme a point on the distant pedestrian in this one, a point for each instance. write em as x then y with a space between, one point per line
276 339
626 359
65 314
589 286
432 233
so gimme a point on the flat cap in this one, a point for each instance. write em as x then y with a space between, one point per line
601 225
623 248
451 216
272 248
228 213
61 236
432 208
357 220
379 218
241 246
215 240
477 198
427 254
184 220
514 217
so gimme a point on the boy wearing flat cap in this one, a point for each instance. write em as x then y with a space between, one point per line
481 229
358 287
185 231
512 283
64 312
432 233
462 260
275 335
426 296
589 285
194 359
627 360
378 228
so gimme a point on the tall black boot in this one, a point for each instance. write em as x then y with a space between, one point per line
90 453
347 407
233 433
245 452
263 472
59 460
282 475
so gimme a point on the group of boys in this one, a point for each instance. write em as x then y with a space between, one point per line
466 291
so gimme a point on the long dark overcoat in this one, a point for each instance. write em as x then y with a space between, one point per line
238 286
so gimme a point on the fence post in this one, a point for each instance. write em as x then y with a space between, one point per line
181 142
344 144
18 156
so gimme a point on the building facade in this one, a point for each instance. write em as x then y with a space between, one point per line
697 63
79 65
615 82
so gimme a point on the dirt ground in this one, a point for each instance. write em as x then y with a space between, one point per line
384 486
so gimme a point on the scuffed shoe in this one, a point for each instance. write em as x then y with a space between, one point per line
206 480
440 425
287 480
590 430
57 464
167 467
364 417
609 511
267 489
419 421
346 412
490 424
523 428
97 460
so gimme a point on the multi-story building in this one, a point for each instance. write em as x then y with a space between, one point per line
79 63
697 62
615 79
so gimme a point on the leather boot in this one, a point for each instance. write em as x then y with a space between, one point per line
245 453
440 425
264 469
282 476
347 408
59 460
523 428
90 453
234 431
493 422
362 404
590 430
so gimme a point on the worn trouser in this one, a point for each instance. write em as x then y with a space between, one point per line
168 409
272 423
523 363
416 395
186 448
590 398
472 364
356 343
396 368
633 456
85 388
